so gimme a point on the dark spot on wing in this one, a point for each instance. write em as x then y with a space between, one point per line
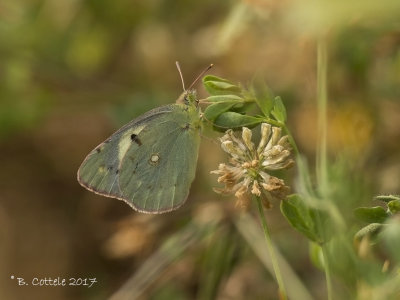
98 150
186 126
134 170
117 171
109 168
135 139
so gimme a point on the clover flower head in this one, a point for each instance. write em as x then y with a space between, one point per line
248 170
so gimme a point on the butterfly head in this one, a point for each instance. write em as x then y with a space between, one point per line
188 97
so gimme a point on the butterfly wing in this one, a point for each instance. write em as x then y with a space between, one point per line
150 163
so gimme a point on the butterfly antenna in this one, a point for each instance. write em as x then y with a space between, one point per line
180 74
201 74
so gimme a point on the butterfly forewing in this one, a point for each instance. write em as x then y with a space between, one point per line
99 171
150 162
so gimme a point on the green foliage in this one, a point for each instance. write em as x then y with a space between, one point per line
371 231
305 219
225 98
375 214
382 223
262 95
216 109
236 120
231 103
394 206
279 110
219 86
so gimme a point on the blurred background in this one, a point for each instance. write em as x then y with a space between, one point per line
72 72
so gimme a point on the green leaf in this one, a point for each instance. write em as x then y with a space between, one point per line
279 110
370 230
241 108
224 98
394 206
236 120
214 110
387 198
305 219
375 214
219 86
263 96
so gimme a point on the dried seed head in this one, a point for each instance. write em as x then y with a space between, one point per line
249 165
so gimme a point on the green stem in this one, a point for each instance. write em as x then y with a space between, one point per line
277 270
322 100
322 166
327 272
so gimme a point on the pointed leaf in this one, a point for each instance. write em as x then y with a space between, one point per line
387 198
214 110
279 110
236 120
222 98
303 218
263 96
219 86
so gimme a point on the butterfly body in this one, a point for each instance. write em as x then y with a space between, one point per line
150 162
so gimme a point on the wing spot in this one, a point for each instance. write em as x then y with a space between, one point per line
154 159
117 171
109 168
135 139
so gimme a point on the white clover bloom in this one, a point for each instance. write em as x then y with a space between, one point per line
247 172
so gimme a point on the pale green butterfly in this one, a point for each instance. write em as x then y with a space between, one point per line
149 163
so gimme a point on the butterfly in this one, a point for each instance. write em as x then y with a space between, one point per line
150 163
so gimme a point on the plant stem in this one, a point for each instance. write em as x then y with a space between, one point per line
322 100
322 166
277 271
327 269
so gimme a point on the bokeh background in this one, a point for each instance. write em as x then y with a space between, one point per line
72 72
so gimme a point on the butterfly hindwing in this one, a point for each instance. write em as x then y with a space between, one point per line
149 163
157 177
